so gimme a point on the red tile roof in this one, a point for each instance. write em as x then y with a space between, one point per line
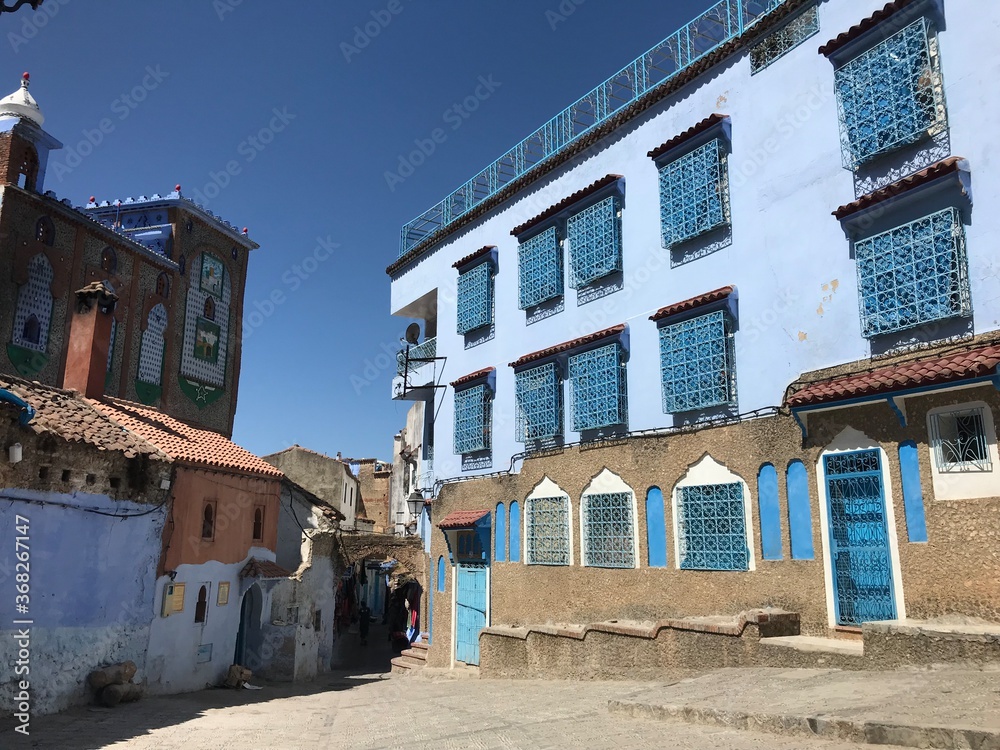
706 124
462 519
472 376
70 416
693 303
567 346
951 165
867 25
474 256
964 365
184 442
263 569
566 203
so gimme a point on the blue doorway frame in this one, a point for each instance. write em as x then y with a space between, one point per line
471 595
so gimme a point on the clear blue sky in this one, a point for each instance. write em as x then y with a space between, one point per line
224 67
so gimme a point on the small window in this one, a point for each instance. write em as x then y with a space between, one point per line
209 308
182 264
32 333
208 522
201 608
473 419
960 442
163 285
258 524
318 620
45 231
109 260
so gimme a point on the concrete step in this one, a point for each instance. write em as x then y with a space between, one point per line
816 645
415 654
422 645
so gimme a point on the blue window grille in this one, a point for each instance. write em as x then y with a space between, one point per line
783 40
608 530
475 298
538 396
694 194
914 274
595 242
473 415
697 363
891 96
712 527
540 269
597 378
547 531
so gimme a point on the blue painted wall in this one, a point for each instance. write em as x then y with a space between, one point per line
770 512
913 492
799 512
500 544
515 531
656 529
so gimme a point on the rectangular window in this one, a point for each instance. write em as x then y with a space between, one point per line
697 363
475 298
473 415
891 95
783 40
914 274
597 379
540 269
538 397
694 194
712 527
959 441
608 530
547 521
595 242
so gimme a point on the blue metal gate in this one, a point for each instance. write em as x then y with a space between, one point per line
859 538
470 611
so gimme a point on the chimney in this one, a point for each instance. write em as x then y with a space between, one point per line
89 340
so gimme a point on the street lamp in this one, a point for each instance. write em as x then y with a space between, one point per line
415 502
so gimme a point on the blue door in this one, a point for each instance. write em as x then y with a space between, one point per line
470 611
859 538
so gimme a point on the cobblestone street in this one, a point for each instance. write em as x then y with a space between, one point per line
376 711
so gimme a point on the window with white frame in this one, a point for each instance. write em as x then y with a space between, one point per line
473 419
891 95
547 530
959 440
608 530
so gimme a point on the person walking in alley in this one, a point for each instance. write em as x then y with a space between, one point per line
364 621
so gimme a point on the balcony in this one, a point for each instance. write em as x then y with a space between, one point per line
414 371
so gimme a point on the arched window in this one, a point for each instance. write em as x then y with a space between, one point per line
208 522
163 285
500 532
514 535
182 264
800 527
45 231
209 310
201 608
258 524
547 528
34 306
441 573
608 521
770 513
109 260
656 529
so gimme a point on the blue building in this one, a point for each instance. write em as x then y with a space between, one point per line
733 310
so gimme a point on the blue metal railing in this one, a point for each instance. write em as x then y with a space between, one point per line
720 24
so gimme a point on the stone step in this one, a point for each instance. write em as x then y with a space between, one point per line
420 645
416 654
816 645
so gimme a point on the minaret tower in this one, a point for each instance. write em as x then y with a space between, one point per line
24 146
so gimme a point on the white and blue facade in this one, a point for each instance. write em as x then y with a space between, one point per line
764 216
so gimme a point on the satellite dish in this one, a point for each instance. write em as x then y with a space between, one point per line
413 333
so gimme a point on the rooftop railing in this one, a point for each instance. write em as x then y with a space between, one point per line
720 24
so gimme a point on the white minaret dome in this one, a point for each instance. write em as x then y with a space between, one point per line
22 104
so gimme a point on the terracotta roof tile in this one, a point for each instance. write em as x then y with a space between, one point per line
474 256
772 20
677 140
867 25
184 442
472 376
566 203
568 345
951 165
954 367
263 569
70 416
693 303
462 519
